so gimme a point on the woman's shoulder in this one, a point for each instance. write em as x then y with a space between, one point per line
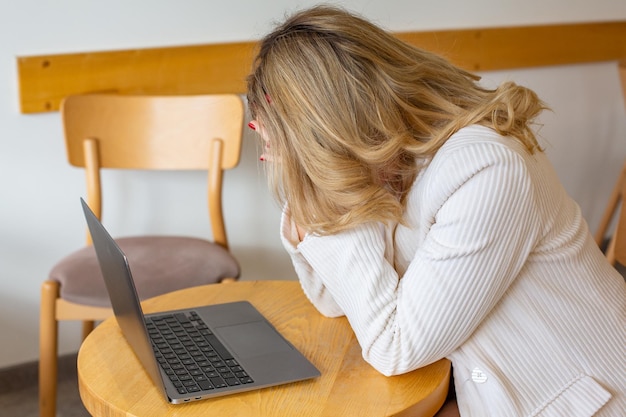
469 151
475 147
480 136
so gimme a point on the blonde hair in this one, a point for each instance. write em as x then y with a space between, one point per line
352 114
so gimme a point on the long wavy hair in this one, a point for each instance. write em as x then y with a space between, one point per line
352 115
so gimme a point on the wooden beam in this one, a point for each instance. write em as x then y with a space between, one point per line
524 47
218 68
222 68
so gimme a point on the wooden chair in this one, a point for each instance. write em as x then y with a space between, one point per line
201 132
616 248
615 211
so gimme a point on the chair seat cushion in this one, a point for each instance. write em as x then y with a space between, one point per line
159 264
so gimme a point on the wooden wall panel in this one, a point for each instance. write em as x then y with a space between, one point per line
221 68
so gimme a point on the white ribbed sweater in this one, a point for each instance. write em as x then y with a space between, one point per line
495 270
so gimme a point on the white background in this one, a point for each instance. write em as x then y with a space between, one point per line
40 219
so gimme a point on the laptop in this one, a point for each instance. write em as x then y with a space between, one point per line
201 352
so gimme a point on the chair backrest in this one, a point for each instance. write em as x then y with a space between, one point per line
196 132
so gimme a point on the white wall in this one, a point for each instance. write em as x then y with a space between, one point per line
40 219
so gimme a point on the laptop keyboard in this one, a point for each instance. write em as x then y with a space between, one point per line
190 354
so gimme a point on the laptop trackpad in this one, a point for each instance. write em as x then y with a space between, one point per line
252 339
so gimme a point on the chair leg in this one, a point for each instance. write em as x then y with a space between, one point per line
610 250
88 326
48 349
614 200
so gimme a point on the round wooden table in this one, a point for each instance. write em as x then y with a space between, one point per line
113 383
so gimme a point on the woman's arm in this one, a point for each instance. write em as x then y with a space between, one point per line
478 243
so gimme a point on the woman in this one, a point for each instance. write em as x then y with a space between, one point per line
420 205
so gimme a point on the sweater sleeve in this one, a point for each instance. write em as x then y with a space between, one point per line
310 280
484 228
